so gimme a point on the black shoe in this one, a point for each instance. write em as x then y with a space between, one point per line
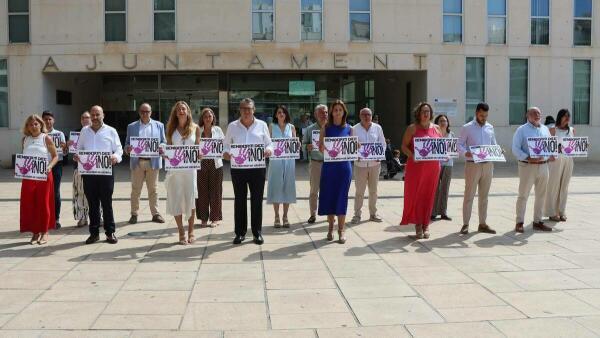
111 239
258 239
311 219
433 218
465 229
133 219
446 218
92 239
57 225
239 239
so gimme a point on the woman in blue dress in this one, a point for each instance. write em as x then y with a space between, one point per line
335 176
281 187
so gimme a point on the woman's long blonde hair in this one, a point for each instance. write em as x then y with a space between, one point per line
33 117
173 122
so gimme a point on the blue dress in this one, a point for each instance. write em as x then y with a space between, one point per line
282 173
335 179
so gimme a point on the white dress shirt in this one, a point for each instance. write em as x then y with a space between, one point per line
372 135
145 129
105 139
237 133
474 134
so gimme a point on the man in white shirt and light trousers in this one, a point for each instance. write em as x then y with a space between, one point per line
247 130
99 188
367 172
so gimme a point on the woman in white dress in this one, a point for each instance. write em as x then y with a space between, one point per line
181 184
561 171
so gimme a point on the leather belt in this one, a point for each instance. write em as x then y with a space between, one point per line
144 159
542 162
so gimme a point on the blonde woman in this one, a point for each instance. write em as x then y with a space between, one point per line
210 176
37 197
181 184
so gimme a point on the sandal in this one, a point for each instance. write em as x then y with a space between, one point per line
426 232
191 238
342 236
182 240
43 240
34 239
277 223
330 233
286 223
214 224
418 231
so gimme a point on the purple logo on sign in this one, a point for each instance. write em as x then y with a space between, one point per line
141 146
27 166
177 158
365 152
337 147
570 147
89 164
279 150
482 155
425 150
241 157
205 148
539 146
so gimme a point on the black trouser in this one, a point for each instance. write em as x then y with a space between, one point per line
57 175
243 179
98 190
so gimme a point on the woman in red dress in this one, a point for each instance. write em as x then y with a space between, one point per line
421 178
37 197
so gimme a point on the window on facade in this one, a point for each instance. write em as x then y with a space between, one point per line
496 21
164 20
311 19
582 70
115 20
3 93
453 15
360 20
540 22
582 25
18 21
475 86
518 91
262 19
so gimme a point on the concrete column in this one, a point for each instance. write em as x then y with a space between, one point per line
223 109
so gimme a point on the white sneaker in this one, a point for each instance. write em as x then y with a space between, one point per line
375 218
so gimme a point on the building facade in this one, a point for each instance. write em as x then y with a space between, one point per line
66 55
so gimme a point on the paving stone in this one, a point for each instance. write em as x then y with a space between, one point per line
393 311
57 315
548 304
225 316
458 330
543 328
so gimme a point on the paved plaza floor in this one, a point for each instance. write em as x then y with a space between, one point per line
381 283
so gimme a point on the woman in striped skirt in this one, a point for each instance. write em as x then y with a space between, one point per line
441 196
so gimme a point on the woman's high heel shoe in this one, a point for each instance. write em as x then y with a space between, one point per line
342 236
330 233
34 239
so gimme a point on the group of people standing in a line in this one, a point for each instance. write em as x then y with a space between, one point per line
195 193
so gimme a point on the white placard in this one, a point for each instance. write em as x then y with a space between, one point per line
94 163
315 135
430 149
211 148
451 147
340 149
144 146
74 137
182 157
574 146
31 167
487 153
371 151
542 146
247 156
286 148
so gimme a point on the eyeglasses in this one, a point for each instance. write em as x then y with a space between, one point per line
145 111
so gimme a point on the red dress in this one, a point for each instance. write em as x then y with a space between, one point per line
420 184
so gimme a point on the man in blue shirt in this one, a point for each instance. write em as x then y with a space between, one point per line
533 171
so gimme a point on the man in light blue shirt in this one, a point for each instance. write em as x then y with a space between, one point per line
478 176
533 171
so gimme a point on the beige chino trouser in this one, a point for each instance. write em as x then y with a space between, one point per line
314 172
363 177
532 175
144 173
478 178
560 171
